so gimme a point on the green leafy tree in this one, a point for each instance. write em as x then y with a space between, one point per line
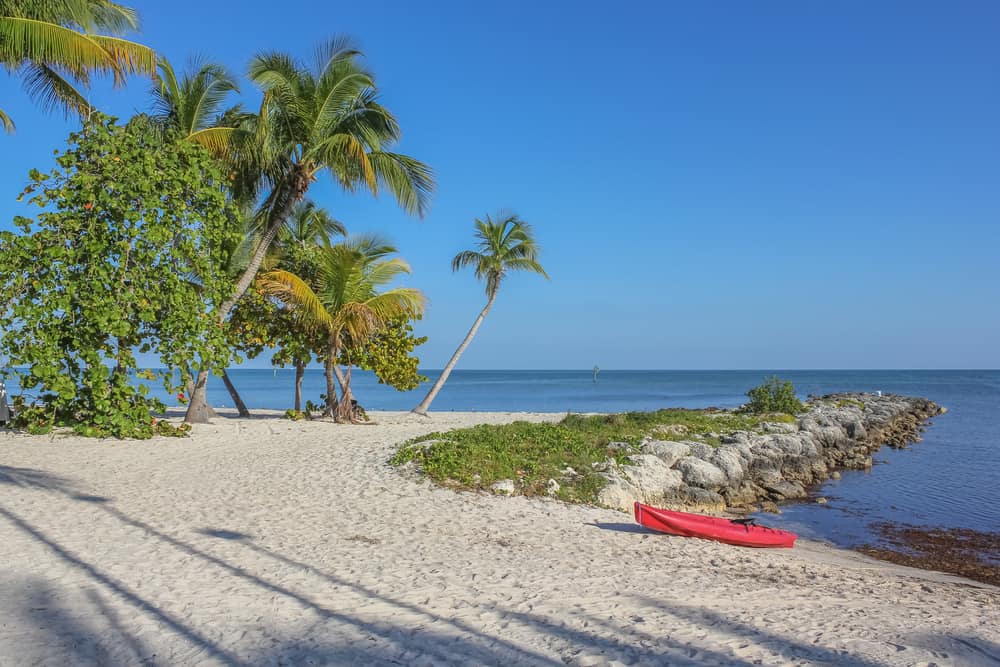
323 118
506 244
775 395
261 322
54 47
127 217
389 354
345 301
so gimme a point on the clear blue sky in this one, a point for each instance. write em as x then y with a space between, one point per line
715 185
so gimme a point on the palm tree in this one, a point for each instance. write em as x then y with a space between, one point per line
192 104
309 225
323 118
504 245
345 302
53 46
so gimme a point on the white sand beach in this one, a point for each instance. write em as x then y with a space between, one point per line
270 542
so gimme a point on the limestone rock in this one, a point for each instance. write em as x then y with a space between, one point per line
769 506
779 427
651 476
729 461
699 449
504 487
856 430
697 499
618 494
700 473
785 490
669 452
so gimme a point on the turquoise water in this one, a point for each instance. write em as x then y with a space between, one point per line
949 479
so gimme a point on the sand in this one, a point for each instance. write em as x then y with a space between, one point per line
270 542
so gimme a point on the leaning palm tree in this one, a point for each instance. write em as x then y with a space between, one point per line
192 106
507 244
345 301
311 120
54 47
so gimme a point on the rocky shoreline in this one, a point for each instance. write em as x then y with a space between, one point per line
747 469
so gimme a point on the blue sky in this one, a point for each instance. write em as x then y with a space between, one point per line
721 185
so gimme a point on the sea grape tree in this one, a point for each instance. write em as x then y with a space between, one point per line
127 255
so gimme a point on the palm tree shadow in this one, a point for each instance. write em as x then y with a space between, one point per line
789 648
29 478
106 581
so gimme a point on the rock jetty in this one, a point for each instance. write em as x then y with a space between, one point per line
838 431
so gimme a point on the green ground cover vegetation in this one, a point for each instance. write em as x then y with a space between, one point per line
533 453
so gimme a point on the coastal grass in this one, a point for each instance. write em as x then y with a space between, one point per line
572 452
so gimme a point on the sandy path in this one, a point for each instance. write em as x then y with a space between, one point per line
271 542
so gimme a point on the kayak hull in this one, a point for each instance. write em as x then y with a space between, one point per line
712 528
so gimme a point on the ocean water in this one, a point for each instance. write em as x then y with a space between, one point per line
951 478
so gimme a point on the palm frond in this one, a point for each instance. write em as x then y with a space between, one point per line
6 122
410 181
466 258
292 290
51 90
218 140
38 41
530 265
128 57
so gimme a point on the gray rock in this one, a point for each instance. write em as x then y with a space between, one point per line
552 488
651 476
695 498
669 452
729 461
620 447
769 506
701 473
785 489
779 427
734 437
618 494
699 449
504 487
856 429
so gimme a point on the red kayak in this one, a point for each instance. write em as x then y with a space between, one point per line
741 532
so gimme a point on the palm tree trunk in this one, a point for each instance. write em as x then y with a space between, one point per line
241 407
300 371
330 365
345 407
432 394
199 412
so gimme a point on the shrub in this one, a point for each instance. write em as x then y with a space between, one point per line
774 396
126 256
